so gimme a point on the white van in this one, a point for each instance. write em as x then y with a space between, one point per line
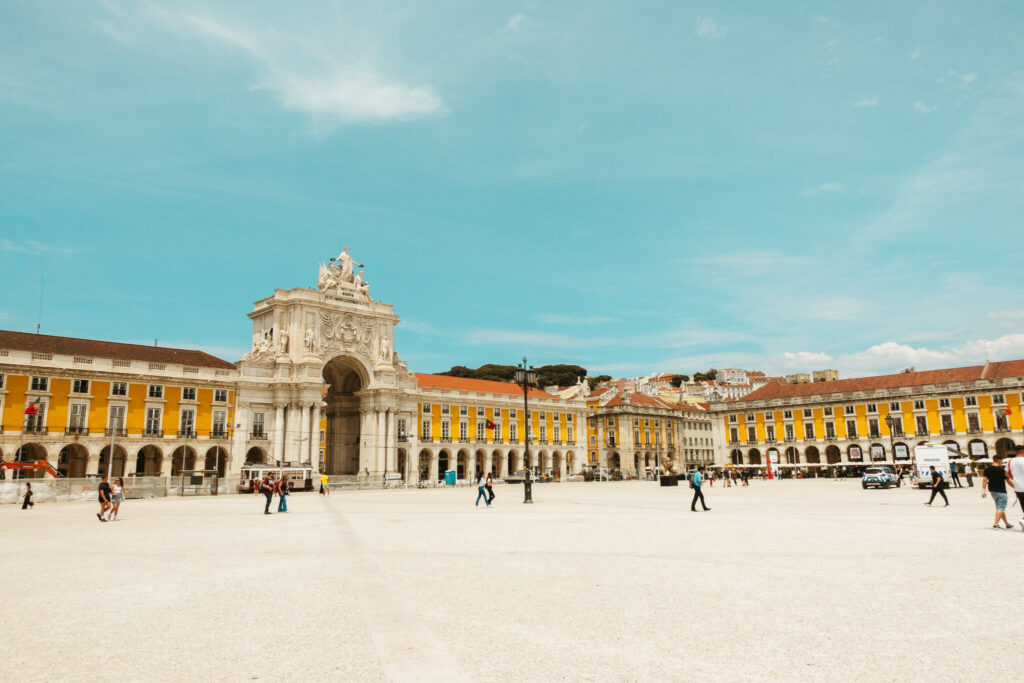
925 456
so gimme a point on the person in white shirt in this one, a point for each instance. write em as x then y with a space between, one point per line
1015 471
481 488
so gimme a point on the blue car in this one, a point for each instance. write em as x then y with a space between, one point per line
879 477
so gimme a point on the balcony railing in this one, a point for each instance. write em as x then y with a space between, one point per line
426 439
221 433
403 438
76 431
570 442
898 432
948 431
874 435
155 433
974 430
186 433
36 429
446 439
498 439
734 442
116 431
259 435
790 439
557 442
1002 429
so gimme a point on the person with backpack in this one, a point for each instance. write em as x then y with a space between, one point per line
696 481
938 486
267 489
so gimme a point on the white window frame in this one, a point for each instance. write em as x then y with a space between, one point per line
188 393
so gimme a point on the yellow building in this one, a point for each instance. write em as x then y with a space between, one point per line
975 410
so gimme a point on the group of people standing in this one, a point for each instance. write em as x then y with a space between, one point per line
994 481
270 487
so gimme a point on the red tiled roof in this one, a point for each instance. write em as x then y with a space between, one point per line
71 346
1012 368
469 384
640 400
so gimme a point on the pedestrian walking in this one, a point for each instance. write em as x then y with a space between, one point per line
481 490
283 489
994 479
1015 473
325 485
938 484
490 487
901 473
116 498
104 496
267 489
954 474
696 482
27 502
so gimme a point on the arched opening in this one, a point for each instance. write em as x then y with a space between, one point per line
72 461
402 458
1005 447
900 451
832 454
792 456
497 462
812 455
183 458
636 463
424 465
514 463
30 452
557 469
444 462
977 448
772 456
149 461
117 467
255 456
216 460
877 452
736 457
854 453
615 462
953 447
753 457
462 465
344 377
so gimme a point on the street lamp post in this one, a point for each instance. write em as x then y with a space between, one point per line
526 377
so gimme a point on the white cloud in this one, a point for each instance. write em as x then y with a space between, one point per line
709 29
310 78
1015 314
890 357
824 187
516 21
868 102
957 79
559 319
916 54
921 106
34 248
533 340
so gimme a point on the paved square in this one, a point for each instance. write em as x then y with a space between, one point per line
811 580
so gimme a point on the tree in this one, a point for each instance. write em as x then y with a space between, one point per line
547 375
594 381
677 380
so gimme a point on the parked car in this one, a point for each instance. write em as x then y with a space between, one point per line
879 477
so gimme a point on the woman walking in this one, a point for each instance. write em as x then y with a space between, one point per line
490 488
282 492
481 489
27 503
116 498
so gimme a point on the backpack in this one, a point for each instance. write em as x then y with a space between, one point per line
692 485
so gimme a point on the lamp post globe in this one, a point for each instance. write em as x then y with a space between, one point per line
526 377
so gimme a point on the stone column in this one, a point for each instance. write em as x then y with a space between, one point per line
433 468
279 433
381 450
487 462
92 465
502 465
471 466
304 436
392 448
366 441
314 436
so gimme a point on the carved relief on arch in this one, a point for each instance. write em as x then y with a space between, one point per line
345 332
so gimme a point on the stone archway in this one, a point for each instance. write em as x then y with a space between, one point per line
753 457
498 463
345 377
444 463
832 454
148 461
30 452
72 461
423 465
256 456
216 460
462 464
1005 447
183 458
402 462
736 457
812 455
792 456
615 462
119 465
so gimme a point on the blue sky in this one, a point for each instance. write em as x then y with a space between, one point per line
628 186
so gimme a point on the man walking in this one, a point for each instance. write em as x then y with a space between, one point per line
104 490
938 484
267 489
955 475
994 480
696 482
1015 473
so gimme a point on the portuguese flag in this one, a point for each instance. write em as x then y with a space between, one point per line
491 425
32 408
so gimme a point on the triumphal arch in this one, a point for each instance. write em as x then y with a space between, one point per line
328 351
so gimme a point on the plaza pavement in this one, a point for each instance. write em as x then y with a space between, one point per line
793 580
